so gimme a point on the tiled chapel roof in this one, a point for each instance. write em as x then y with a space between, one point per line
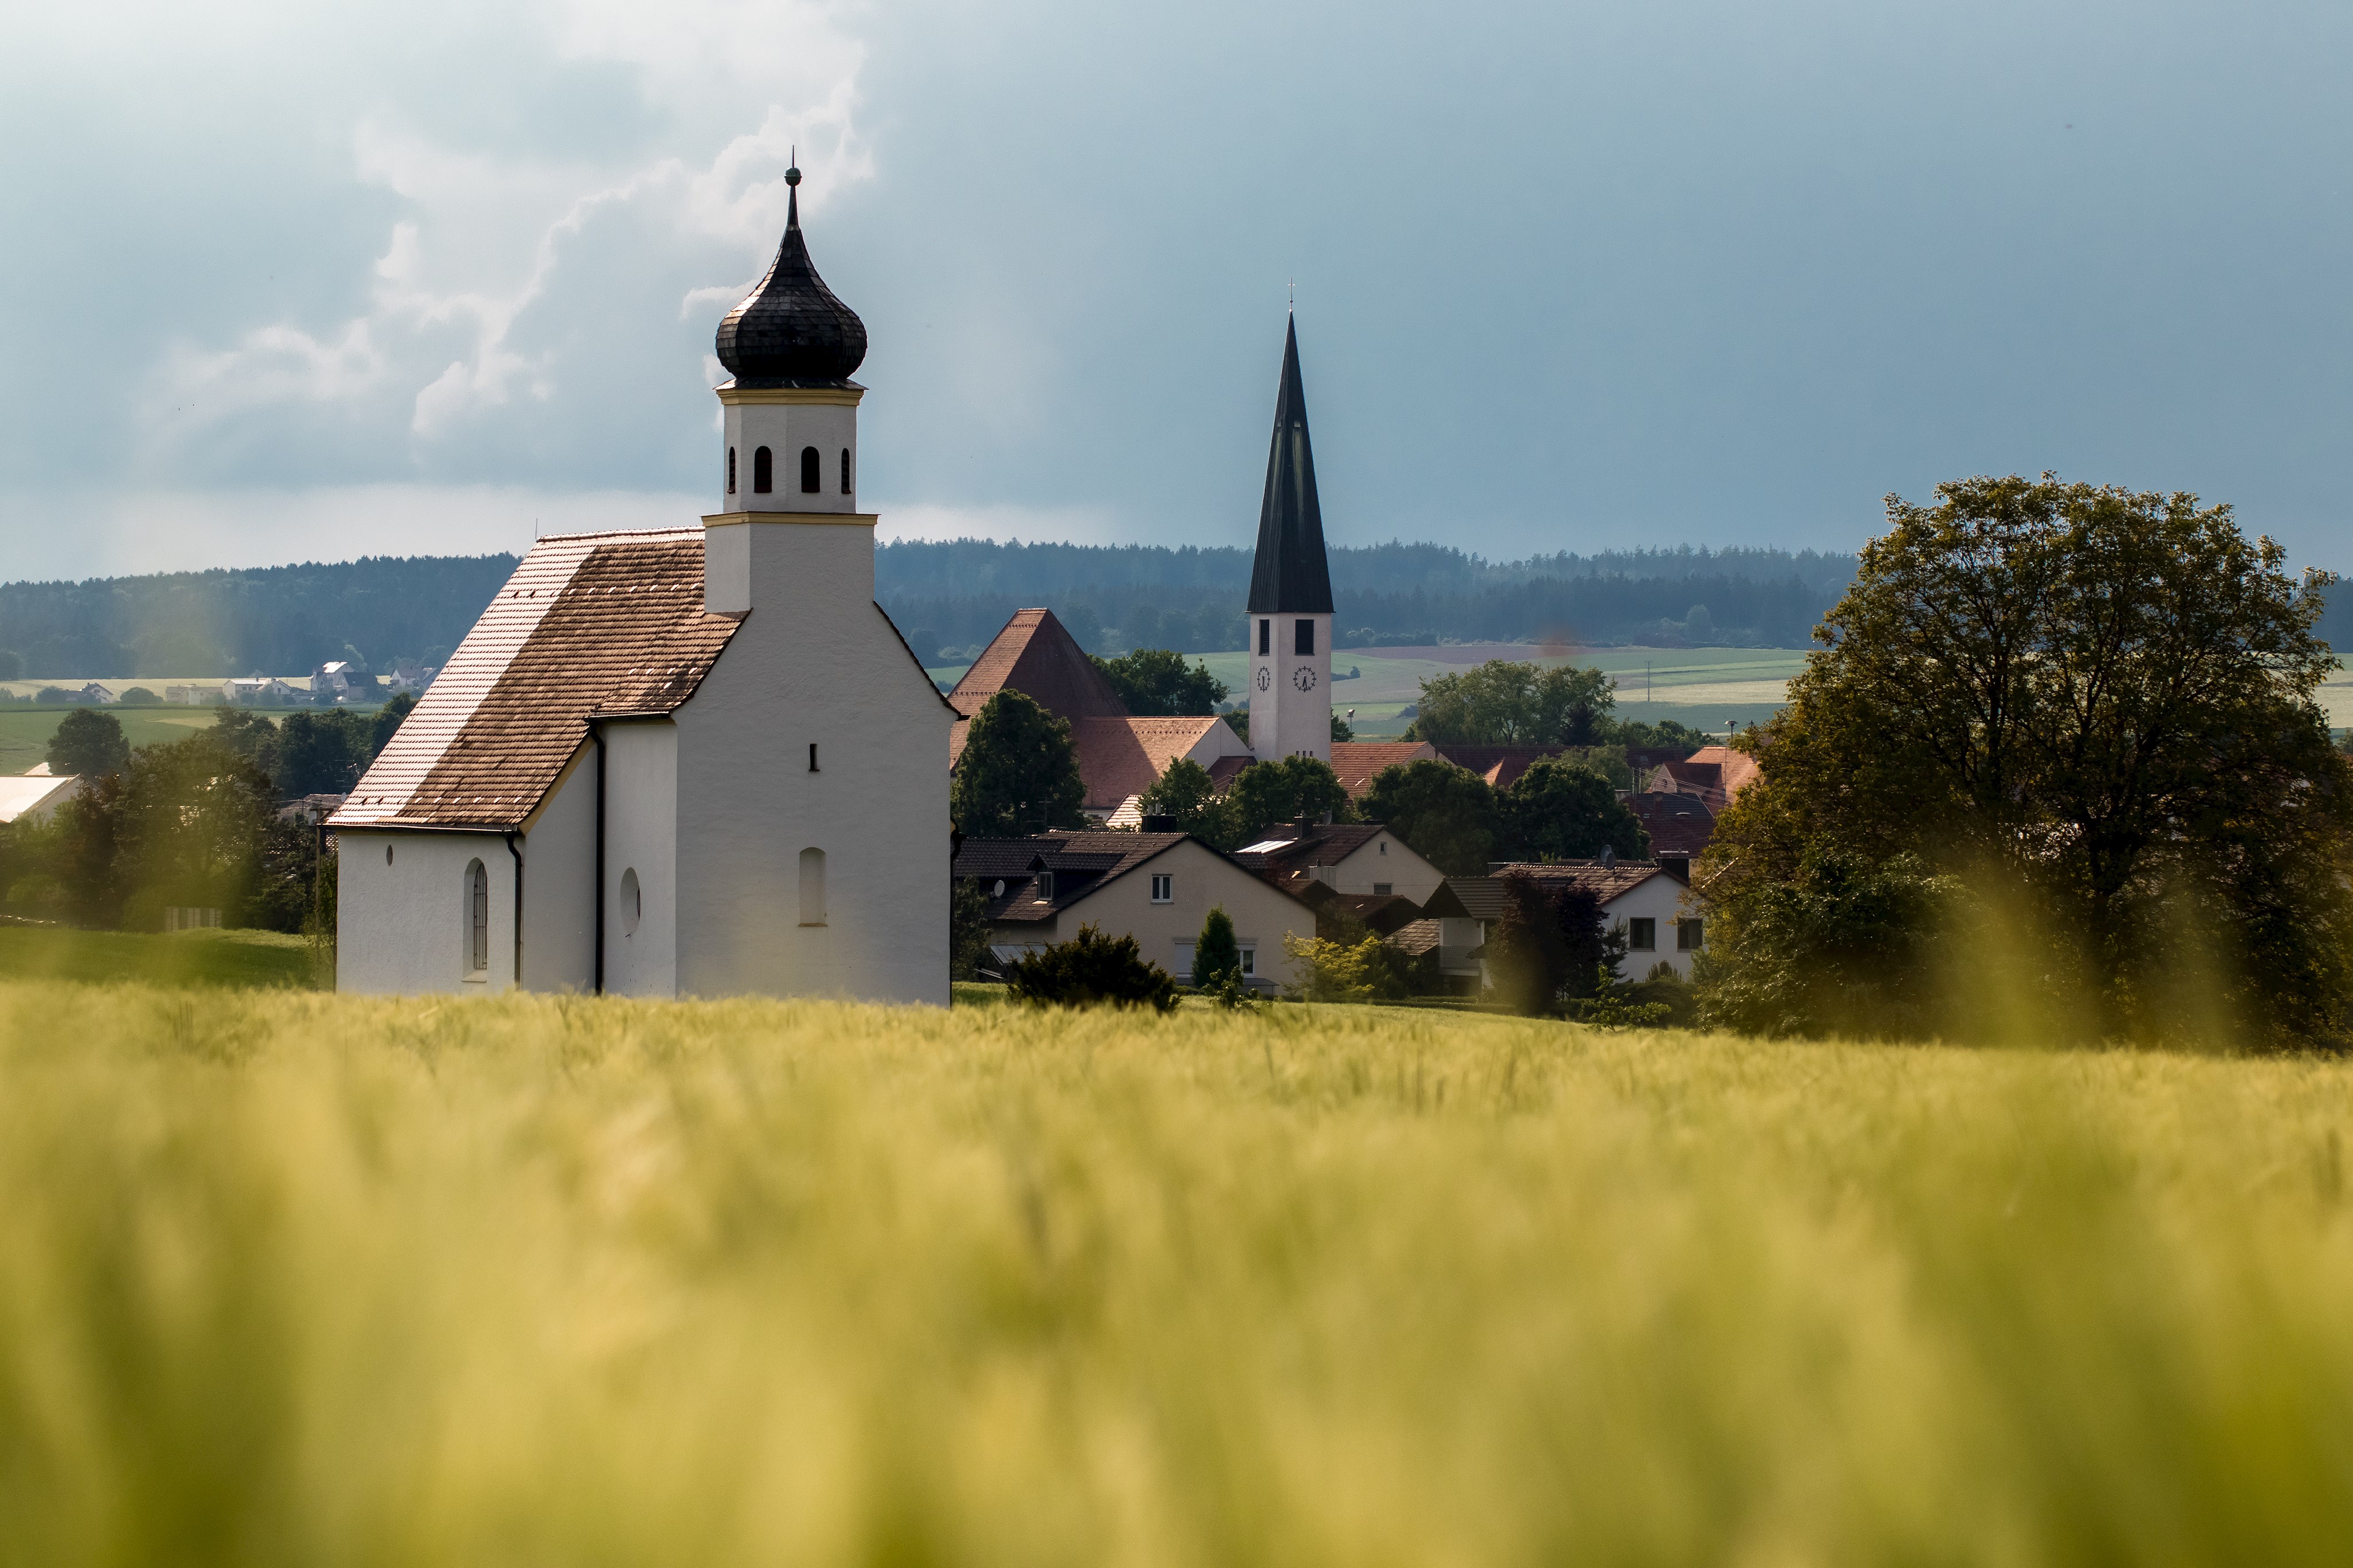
1036 657
589 624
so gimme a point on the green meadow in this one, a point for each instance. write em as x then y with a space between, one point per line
25 731
288 1277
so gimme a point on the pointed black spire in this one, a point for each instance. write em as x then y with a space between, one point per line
1291 575
791 330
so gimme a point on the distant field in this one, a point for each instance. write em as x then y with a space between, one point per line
243 958
432 1280
25 731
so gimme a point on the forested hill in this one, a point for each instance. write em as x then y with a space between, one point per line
949 596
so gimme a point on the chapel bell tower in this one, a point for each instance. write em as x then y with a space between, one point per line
1291 590
789 449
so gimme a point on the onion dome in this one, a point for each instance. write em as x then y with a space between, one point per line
791 330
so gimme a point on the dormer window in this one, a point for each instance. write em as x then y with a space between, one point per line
1045 886
812 471
764 471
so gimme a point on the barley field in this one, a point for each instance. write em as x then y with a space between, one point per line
288 1277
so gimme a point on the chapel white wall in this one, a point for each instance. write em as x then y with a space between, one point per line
559 882
641 836
405 929
815 662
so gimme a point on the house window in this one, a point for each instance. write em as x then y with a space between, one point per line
477 919
1302 638
632 902
812 478
1164 889
1265 638
730 470
1383 890
1382 847
1688 937
1250 960
812 887
1046 887
764 471
1642 936
845 471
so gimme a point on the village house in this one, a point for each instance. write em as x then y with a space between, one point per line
683 762
1157 888
1347 872
35 794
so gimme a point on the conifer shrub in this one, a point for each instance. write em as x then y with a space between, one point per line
1090 968
1215 956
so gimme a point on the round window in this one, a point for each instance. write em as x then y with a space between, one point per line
632 904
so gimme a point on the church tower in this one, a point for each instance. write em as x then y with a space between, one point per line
1291 590
788 522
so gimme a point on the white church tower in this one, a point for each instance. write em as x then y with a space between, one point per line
1291 591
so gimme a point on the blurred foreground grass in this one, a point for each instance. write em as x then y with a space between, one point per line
291 1277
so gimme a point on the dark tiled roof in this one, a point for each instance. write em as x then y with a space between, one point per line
1677 824
589 624
1468 898
1604 882
1081 862
1291 574
1500 766
791 330
1416 937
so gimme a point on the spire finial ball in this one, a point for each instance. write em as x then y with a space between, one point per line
792 176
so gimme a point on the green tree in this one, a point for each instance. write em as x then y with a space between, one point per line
1560 810
1282 790
1506 703
1186 793
141 696
1445 813
1340 730
1216 955
195 822
1845 946
1550 948
1019 773
321 753
387 722
2100 708
1155 680
967 929
88 744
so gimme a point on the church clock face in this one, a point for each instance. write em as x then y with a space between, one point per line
1303 678
1265 678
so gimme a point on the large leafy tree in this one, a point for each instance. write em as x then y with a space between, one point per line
1445 813
2098 706
1186 793
1284 790
1507 703
1561 810
88 744
1155 680
1017 774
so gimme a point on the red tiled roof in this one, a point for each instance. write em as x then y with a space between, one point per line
1356 761
1036 657
590 623
1500 766
1124 756
1736 771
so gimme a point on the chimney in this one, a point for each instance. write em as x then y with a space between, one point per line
1161 825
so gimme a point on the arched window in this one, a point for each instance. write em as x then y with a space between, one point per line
764 471
845 471
730 470
812 887
812 471
633 901
478 918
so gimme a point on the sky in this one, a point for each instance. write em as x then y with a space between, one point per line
288 282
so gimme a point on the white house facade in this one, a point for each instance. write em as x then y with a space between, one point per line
685 761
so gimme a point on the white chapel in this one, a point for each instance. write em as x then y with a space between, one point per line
678 762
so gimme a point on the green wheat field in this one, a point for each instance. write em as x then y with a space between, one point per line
288 1278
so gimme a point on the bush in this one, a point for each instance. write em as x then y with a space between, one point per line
1365 971
1091 967
1217 957
1550 948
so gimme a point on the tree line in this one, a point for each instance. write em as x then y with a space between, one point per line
194 822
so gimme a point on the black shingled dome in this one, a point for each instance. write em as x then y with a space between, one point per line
791 330
1290 576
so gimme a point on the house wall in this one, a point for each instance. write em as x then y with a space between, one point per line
1661 899
641 836
404 927
1386 858
814 662
1262 914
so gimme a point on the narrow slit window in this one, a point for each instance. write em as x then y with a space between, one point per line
730 470
812 756
812 887
845 471
812 478
478 918
764 471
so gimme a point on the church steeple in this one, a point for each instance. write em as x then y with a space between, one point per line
1291 590
1290 576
